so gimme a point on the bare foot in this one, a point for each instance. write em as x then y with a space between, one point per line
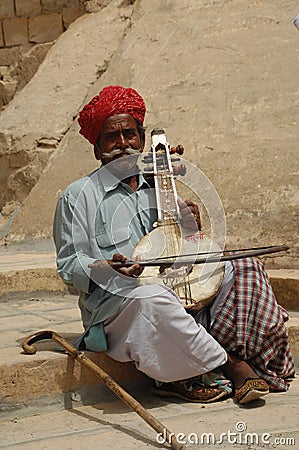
237 370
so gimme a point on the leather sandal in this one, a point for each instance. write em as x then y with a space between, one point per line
193 394
252 389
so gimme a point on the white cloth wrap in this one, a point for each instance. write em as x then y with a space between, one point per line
153 329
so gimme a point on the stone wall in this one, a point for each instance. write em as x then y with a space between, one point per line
37 119
27 31
220 77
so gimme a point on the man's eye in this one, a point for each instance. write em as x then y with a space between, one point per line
111 137
130 134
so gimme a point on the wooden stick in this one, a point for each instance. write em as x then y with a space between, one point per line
106 379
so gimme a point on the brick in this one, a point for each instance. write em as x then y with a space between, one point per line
1 35
72 3
45 28
58 5
52 5
69 15
28 8
7 8
15 31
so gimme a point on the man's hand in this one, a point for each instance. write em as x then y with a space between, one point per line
190 215
99 267
133 271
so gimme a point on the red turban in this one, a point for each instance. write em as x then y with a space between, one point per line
111 100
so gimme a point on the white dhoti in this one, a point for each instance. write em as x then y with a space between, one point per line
153 329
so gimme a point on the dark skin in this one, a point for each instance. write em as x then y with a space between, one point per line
121 131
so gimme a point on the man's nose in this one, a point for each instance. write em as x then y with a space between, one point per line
122 141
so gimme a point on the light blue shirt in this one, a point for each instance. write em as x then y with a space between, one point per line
96 217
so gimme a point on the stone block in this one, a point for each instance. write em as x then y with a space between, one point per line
57 5
7 8
45 28
5 143
28 8
15 31
72 3
51 5
69 15
94 6
285 284
4 72
31 61
7 91
1 35
17 160
9 56
31 280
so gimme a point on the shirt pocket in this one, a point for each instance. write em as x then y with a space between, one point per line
117 241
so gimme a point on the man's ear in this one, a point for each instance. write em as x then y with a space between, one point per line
96 151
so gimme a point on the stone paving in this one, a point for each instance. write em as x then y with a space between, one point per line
271 423
20 317
48 401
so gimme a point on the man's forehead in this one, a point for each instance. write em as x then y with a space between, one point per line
118 121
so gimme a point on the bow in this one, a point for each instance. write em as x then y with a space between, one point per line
211 257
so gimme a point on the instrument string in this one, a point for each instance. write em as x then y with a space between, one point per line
170 220
179 278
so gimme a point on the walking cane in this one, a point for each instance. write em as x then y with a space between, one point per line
106 379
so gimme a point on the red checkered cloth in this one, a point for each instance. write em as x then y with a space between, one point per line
252 325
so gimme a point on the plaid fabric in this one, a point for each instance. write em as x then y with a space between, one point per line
251 325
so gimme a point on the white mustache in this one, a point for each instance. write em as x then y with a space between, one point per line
119 151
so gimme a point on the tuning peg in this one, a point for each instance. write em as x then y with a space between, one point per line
180 170
148 169
178 149
147 159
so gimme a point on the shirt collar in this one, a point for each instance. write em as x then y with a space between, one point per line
109 181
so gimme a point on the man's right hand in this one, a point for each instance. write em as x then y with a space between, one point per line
132 271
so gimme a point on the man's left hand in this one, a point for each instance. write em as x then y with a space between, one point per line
190 215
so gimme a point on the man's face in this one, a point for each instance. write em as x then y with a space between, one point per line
118 135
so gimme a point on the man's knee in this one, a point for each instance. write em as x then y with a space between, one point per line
154 298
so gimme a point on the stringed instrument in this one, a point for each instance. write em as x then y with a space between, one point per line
195 284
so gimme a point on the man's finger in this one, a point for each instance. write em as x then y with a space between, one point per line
99 264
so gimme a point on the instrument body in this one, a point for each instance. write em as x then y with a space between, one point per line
196 285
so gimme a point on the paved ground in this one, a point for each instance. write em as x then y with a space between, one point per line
47 401
272 423
37 412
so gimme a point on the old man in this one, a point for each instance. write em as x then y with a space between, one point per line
244 333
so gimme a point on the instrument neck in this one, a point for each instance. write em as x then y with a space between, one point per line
165 189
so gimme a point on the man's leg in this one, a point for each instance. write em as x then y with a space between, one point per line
249 323
153 330
248 386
